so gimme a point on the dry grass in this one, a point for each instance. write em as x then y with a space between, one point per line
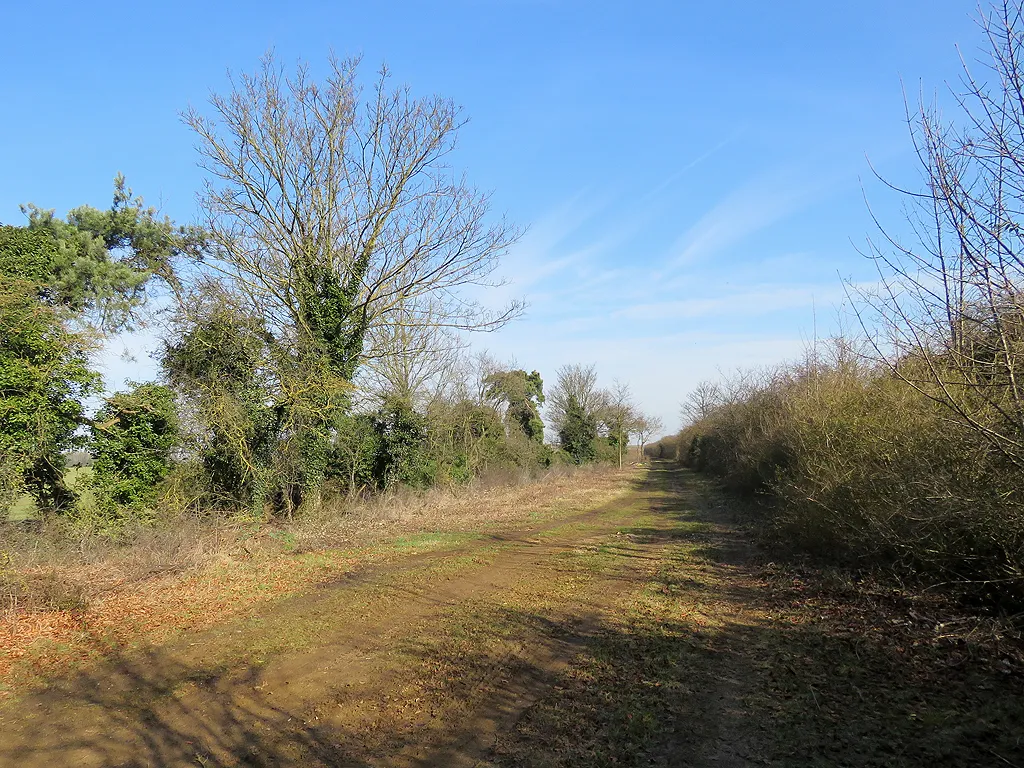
861 468
92 565
492 502
68 595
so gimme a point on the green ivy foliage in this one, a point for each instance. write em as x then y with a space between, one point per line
578 433
402 457
133 436
523 393
333 320
44 377
220 364
354 452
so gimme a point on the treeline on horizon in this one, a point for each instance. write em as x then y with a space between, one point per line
903 445
312 326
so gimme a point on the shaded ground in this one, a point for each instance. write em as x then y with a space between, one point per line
644 632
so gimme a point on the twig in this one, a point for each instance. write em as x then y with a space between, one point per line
1003 758
815 697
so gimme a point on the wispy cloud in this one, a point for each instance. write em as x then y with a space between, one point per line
577 244
549 246
756 205
600 293
657 192
755 301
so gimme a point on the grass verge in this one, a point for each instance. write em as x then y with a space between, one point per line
70 602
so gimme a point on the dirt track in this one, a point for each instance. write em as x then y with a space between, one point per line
430 661
642 632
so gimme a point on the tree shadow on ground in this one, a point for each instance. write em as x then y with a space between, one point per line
787 686
709 662
148 709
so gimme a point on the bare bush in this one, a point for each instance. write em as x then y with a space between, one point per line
948 319
860 466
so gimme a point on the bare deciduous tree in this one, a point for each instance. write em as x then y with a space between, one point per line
950 307
646 427
699 403
338 229
334 214
618 415
413 362
575 386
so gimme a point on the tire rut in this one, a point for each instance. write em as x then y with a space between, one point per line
180 704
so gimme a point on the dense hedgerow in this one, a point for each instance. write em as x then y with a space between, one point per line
856 464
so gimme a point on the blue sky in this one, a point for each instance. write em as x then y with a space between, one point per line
692 175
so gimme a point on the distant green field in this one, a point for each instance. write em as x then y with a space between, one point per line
25 507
